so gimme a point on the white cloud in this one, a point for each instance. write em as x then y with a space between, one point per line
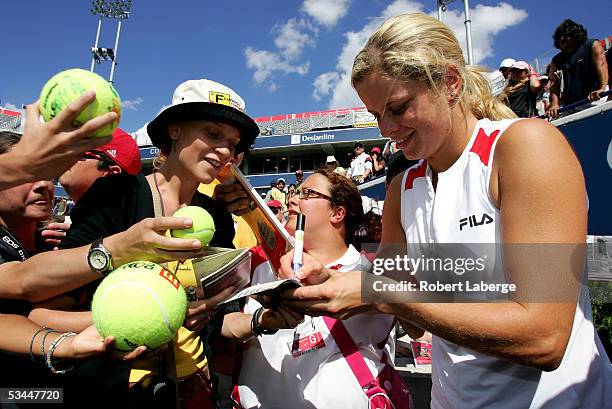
487 22
265 63
324 83
342 93
326 12
292 38
290 41
131 104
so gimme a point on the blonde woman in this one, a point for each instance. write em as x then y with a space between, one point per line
198 134
521 90
475 160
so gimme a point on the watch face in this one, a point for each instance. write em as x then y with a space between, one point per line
98 259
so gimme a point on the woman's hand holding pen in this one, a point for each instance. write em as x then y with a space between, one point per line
326 291
311 273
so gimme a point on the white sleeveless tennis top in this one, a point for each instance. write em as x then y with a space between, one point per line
460 210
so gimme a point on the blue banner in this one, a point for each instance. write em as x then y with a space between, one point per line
591 138
149 153
317 137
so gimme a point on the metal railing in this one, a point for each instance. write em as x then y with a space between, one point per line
578 104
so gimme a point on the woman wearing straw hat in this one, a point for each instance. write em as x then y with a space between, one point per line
198 134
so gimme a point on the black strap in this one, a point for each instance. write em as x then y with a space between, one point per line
11 246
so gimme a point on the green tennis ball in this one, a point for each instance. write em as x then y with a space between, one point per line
66 86
203 227
139 303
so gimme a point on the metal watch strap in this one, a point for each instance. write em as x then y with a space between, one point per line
97 245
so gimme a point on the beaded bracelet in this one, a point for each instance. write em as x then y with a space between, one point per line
42 345
52 347
32 357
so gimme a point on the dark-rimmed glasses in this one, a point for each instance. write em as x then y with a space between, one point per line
307 193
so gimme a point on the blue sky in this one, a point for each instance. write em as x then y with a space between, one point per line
282 56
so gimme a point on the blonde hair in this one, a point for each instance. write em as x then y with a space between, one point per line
510 89
418 47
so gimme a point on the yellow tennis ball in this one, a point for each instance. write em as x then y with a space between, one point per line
203 227
66 86
139 303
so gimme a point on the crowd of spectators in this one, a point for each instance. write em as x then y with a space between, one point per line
579 72
116 212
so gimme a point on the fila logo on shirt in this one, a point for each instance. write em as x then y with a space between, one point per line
473 221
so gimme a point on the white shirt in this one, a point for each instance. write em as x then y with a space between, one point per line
462 377
272 378
359 166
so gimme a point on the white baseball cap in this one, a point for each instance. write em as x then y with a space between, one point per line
331 158
507 63
204 99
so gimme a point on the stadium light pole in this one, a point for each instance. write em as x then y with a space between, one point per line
442 7
119 9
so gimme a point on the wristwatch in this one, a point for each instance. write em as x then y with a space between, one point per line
99 258
256 328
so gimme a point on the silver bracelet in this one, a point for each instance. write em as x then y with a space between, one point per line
32 357
44 338
54 344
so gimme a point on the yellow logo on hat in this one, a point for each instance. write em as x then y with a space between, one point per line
219 98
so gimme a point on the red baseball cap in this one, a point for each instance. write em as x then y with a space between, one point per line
123 150
274 203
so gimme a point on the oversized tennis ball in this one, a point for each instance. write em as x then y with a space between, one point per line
203 227
139 303
66 86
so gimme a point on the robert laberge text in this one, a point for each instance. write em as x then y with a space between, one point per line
436 286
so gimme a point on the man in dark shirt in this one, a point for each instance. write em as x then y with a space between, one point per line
581 64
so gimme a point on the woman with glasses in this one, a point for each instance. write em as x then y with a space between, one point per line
303 367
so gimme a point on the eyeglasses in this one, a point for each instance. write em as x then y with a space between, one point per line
306 193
